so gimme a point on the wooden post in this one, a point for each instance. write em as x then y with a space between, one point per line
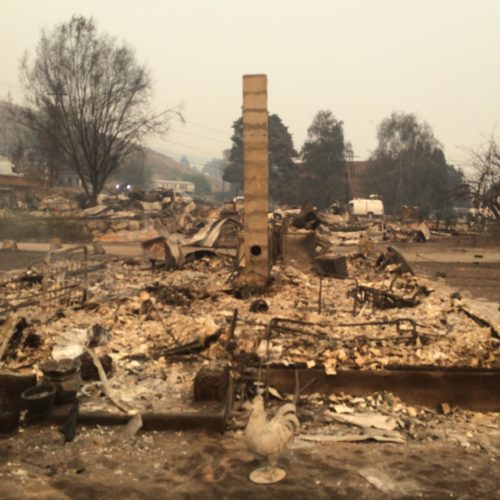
46 283
256 181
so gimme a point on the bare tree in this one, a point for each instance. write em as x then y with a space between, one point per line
88 99
483 186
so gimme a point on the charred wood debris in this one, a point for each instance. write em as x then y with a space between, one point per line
130 335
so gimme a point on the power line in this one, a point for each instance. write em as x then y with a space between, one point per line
185 146
200 160
199 136
208 128
6 83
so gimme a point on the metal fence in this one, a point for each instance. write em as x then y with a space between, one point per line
61 279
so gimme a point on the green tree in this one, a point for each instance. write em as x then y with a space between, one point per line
409 166
200 181
215 167
88 99
184 161
324 160
33 152
282 169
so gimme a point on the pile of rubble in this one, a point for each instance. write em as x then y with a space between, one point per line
139 330
150 317
118 216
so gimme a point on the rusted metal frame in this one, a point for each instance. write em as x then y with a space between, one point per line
350 341
378 291
477 390
51 295
31 300
274 325
396 321
282 328
6 307
21 278
363 293
63 292
47 295
88 270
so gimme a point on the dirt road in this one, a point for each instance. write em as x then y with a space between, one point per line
102 464
471 270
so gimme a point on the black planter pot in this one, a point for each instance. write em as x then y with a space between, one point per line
39 400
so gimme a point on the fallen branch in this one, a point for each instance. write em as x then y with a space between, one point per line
107 389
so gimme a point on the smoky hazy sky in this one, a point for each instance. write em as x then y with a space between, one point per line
360 59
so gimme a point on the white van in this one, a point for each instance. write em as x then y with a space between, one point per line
366 207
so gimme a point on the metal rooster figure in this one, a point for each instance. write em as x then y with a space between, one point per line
269 438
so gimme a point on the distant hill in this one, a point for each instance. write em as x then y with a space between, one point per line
162 166
165 167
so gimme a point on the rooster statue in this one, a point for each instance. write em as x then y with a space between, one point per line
269 438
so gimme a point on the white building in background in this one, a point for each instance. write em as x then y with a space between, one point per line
182 186
6 167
